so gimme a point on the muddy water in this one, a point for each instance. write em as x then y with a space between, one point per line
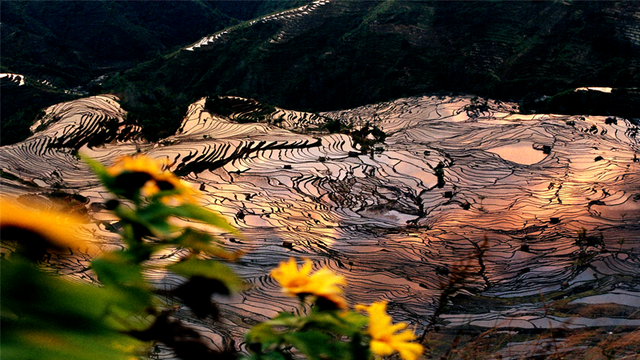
528 184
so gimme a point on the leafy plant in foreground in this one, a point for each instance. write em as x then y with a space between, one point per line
330 330
151 199
47 316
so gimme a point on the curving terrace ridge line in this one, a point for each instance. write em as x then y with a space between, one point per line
294 21
394 223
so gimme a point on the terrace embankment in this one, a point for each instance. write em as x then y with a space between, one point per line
556 196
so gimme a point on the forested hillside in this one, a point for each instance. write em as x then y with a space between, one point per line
347 53
62 45
330 54
71 42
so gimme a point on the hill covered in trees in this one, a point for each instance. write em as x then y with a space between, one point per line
345 54
330 55
63 45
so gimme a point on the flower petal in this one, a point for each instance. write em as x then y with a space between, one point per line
384 340
381 348
323 283
410 351
57 229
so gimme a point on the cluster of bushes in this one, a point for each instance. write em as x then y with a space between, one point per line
623 102
247 110
158 112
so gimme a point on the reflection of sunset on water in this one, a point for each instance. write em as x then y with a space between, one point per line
521 153
387 221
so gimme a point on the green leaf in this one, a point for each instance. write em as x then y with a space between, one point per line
195 239
264 334
344 323
210 269
149 220
202 242
155 211
288 319
199 213
311 334
154 216
138 250
115 270
271 355
24 342
98 169
48 317
24 290
318 345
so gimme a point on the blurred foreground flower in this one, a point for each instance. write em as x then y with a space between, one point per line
45 316
38 231
384 340
324 332
299 282
131 174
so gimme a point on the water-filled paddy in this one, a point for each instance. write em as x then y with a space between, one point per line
530 184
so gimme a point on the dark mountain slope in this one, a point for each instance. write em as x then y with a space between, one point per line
328 55
349 53
68 43
74 41
25 101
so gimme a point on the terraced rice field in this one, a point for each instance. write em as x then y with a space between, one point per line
557 198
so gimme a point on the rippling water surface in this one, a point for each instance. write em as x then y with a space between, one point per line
384 220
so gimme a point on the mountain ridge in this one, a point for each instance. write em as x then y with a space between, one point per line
366 52
329 55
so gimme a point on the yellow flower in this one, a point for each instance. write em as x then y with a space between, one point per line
167 181
144 173
323 283
37 230
384 340
142 164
